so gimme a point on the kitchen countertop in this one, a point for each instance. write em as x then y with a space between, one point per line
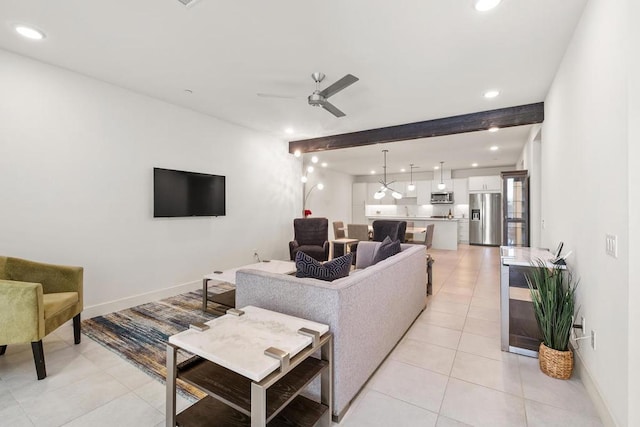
413 218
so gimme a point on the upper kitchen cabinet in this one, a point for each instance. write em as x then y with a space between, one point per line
448 185
372 187
407 192
485 184
423 192
460 191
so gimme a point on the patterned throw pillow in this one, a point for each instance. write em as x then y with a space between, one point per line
329 271
386 249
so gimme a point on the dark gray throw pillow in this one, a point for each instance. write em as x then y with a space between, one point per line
386 249
329 271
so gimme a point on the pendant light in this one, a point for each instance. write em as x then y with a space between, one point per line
411 185
385 185
441 186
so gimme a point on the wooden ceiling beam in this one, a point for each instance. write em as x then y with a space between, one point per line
502 118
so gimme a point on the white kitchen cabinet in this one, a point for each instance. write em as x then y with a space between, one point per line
359 200
463 230
372 187
410 193
423 192
491 184
400 187
460 191
447 182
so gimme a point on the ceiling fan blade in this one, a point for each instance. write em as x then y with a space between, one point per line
347 80
274 95
332 109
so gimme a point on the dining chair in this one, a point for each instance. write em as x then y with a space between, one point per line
408 236
338 230
428 238
360 232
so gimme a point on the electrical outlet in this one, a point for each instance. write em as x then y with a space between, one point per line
593 339
611 245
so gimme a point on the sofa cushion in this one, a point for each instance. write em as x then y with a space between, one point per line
386 249
306 266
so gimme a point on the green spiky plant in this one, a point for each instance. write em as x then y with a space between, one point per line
553 295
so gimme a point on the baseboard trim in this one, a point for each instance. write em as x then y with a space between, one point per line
132 301
582 372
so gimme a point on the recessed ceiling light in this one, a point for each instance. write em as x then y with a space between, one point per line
491 93
296 153
493 129
373 172
403 170
310 169
436 167
314 159
493 148
29 32
324 164
474 165
288 131
484 5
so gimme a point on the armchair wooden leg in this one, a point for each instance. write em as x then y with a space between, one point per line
38 358
76 328
3 348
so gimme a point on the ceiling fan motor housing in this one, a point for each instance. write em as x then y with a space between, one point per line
316 99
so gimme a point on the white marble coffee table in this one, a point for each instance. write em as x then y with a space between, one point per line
233 367
227 298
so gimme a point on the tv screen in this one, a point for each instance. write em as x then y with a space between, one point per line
181 193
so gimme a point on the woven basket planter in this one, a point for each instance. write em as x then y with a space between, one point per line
554 363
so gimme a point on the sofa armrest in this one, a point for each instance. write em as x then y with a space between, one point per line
21 312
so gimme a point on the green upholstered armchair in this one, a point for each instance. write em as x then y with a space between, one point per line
35 299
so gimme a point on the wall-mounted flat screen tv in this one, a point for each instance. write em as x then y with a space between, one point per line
181 193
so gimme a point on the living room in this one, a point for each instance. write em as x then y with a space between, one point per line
77 154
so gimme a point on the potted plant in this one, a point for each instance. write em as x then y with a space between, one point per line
553 296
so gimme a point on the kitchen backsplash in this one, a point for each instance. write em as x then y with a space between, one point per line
458 210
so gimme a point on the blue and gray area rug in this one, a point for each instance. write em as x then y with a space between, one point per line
140 334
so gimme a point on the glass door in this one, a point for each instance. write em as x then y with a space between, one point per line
515 189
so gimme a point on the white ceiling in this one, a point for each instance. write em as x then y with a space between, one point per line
416 60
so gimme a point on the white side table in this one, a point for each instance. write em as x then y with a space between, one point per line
225 300
240 357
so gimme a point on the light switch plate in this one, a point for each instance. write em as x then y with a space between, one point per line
611 243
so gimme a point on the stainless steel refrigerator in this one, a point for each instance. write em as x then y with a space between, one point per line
485 219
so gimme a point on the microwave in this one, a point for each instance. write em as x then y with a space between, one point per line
442 198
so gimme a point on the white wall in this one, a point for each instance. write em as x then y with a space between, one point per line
76 162
634 211
585 182
334 201
530 161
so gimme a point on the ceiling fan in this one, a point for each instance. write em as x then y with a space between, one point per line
319 97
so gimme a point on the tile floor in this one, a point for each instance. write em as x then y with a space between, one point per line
447 371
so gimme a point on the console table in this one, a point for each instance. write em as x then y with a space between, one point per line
227 299
253 365
519 332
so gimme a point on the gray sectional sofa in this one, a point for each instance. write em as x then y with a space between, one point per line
367 312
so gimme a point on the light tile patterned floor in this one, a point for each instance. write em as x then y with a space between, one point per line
447 371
